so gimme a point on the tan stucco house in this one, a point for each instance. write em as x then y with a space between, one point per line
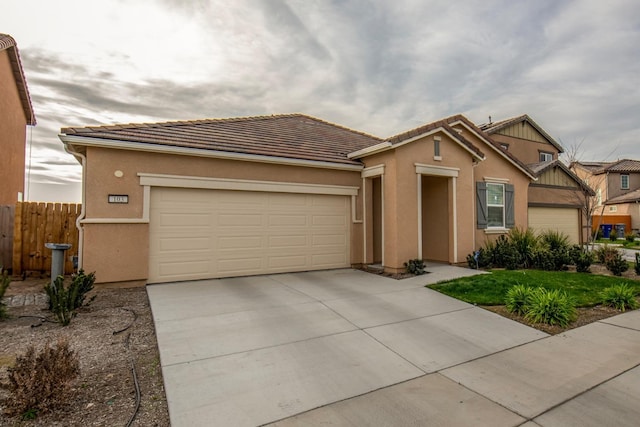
234 197
617 187
557 199
16 113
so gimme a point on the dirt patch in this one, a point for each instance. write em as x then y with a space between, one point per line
585 316
105 393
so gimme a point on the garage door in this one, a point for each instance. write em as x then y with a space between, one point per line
565 220
199 234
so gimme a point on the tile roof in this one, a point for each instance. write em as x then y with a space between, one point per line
443 123
494 127
9 44
630 197
295 136
624 165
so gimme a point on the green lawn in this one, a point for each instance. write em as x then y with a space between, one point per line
490 289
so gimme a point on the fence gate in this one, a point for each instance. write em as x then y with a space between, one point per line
38 223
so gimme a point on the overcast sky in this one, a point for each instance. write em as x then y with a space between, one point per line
381 67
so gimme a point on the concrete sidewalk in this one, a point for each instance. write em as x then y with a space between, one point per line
344 347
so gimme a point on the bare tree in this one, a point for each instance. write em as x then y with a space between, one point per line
590 196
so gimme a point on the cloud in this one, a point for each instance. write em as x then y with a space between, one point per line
379 67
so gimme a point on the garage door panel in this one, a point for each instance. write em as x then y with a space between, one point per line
237 233
292 241
179 244
565 220
240 242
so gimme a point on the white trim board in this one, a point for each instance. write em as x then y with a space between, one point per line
161 180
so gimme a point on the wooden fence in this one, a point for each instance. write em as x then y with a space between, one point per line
38 223
6 235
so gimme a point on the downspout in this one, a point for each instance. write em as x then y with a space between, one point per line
83 161
473 205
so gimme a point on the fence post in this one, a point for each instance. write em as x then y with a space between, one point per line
17 240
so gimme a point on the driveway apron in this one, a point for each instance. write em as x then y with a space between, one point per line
352 348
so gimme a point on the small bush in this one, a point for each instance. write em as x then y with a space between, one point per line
41 382
604 253
517 299
553 307
479 259
620 297
613 236
5 280
581 258
64 302
557 244
415 266
616 264
636 265
630 237
524 242
505 254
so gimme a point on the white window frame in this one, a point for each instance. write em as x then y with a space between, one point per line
546 157
502 205
624 183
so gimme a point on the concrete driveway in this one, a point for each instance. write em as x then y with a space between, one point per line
345 347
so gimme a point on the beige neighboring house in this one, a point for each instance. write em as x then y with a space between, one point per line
215 198
617 187
557 199
16 113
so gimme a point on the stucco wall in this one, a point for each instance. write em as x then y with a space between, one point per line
495 168
12 134
401 228
118 252
525 150
614 187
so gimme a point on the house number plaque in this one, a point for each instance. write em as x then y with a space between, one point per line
118 198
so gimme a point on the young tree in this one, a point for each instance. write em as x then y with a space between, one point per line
590 196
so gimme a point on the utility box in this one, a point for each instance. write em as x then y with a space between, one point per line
620 230
57 258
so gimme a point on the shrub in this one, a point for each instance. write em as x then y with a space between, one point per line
557 244
524 242
604 253
5 280
415 266
542 259
553 307
616 264
505 255
479 259
64 302
630 237
613 236
620 297
581 258
636 265
517 299
41 382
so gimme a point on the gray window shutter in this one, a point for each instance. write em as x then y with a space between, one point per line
509 213
481 204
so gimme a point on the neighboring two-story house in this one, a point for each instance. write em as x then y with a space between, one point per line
16 113
617 187
557 199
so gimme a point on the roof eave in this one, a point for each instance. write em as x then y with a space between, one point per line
83 141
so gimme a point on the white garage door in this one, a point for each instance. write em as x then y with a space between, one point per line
565 220
199 234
